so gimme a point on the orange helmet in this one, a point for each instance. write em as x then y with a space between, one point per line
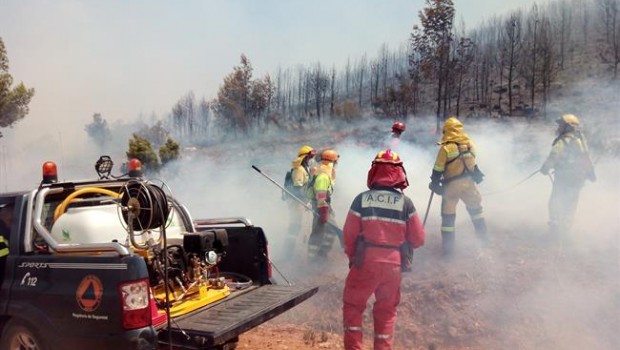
398 127
330 155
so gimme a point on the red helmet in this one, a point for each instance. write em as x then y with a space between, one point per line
387 156
398 127
387 170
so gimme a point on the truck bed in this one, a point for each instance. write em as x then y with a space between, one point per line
226 320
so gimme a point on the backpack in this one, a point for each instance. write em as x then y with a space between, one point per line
288 184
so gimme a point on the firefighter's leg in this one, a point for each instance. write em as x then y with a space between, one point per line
565 196
330 235
358 287
295 211
572 200
558 207
449 200
473 203
315 239
387 298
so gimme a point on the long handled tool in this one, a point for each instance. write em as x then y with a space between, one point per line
428 207
513 186
337 229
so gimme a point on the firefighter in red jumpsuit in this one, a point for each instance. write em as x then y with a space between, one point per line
381 229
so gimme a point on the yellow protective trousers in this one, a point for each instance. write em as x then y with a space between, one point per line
462 189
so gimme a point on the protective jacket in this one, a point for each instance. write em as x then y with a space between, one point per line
4 246
570 158
300 176
456 157
4 241
322 186
386 218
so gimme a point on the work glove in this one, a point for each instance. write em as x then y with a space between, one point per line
435 184
477 175
323 214
436 187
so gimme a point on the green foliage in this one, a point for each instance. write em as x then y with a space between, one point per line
140 148
243 102
98 130
13 102
169 151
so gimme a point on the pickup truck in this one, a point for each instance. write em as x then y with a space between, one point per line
118 263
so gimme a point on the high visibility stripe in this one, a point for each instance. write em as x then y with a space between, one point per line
353 329
452 155
477 216
383 336
378 218
4 251
447 228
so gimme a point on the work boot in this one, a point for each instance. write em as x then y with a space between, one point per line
447 244
480 226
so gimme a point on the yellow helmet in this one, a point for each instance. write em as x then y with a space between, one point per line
569 119
330 155
305 150
388 156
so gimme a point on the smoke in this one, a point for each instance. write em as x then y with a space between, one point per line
536 293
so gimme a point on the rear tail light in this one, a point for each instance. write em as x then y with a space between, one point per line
136 303
269 269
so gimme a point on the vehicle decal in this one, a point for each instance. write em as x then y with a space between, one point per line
90 317
93 266
89 293
28 280
66 235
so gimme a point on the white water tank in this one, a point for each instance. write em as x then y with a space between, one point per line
91 224
103 224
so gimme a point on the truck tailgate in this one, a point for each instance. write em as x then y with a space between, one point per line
234 315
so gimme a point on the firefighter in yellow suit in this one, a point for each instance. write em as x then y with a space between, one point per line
6 213
300 176
571 164
320 192
454 177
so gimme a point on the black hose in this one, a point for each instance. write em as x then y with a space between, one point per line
242 281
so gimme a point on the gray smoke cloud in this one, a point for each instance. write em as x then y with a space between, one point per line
565 293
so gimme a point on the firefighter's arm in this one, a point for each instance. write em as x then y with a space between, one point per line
300 177
554 155
351 230
321 187
440 163
415 233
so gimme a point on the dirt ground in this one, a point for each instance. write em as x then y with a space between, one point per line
524 291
